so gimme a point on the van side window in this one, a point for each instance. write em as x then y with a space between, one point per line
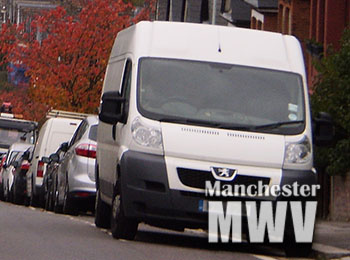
114 75
126 84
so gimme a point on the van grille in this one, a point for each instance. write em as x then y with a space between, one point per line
197 178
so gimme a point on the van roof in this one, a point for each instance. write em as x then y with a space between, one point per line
62 122
213 43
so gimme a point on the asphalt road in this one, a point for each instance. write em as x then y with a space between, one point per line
32 233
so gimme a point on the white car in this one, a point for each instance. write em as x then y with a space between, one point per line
14 153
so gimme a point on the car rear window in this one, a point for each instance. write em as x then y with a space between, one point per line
93 133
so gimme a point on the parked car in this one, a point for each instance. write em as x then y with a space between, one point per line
76 173
2 161
14 155
50 178
55 131
21 166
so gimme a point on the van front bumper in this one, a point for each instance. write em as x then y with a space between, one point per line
147 197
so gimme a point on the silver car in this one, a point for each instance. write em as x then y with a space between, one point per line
9 179
75 187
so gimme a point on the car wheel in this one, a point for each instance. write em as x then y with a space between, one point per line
68 204
57 208
10 193
291 247
17 198
102 212
6 192
47 197
121 226
33 200
2 192
294 249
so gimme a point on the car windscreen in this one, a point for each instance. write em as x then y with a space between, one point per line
221 95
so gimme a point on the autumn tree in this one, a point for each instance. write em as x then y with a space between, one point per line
66 64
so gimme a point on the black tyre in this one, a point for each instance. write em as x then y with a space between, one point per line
10 194
69 206
291 247
294 249
57 208
48 197
48 204
7 192
2 192
33 201
121 226
17 194
102 212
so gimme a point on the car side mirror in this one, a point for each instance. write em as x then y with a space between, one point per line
54 157
45 159
323 129
64 147
111 107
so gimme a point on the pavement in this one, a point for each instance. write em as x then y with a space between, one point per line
332 240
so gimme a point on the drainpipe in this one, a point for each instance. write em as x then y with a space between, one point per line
18 15
213 16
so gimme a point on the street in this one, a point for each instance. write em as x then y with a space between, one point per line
32 233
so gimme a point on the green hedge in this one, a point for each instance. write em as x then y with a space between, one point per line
332 94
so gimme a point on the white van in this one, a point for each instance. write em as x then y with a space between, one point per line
185 103
54 132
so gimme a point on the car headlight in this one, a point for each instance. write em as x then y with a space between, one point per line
299 152
147 136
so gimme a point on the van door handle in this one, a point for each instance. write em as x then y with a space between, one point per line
113 131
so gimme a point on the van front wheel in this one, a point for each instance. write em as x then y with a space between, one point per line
121 226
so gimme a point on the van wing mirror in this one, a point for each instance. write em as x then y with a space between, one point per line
111 107
323 129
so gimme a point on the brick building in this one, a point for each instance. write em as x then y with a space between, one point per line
294 19
18 11
254 14
193 11
328 19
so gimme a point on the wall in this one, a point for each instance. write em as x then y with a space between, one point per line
340 201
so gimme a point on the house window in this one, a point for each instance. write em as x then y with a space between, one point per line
225 6
257 20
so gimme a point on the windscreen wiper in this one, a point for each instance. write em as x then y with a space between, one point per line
278 124
206 123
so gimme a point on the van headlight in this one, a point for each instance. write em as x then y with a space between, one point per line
298 152
145 135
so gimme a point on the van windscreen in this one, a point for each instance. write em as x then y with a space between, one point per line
221 95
